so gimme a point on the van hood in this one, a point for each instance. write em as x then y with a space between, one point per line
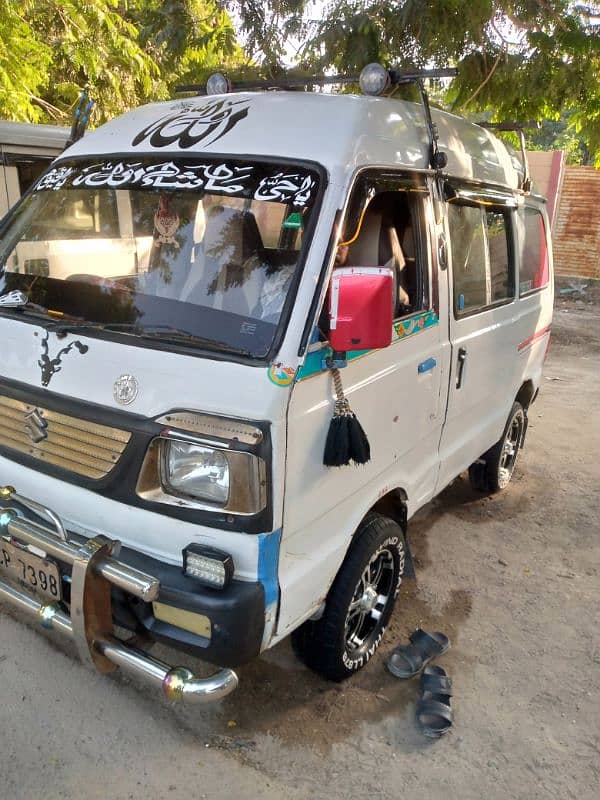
88 369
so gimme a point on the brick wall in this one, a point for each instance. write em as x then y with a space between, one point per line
577 227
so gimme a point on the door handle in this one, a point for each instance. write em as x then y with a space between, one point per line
425 366
462 357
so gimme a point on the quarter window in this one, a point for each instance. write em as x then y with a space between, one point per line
483 275
533 253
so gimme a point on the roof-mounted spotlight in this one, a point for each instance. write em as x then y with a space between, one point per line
218 84
374 79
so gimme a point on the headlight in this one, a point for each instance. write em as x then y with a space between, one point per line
195 471
192 474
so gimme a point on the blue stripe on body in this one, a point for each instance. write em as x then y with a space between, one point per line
268 565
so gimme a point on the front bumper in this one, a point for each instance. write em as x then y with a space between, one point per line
97 577
236 614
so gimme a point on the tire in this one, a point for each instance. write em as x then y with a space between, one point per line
493 471
359 604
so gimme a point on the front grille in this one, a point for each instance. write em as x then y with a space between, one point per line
76 445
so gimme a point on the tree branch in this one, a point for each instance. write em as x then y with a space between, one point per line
486 79
54 112
557 20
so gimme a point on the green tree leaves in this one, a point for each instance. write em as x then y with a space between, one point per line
529 59
517 59
125 51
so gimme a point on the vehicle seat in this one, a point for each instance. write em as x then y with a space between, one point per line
220 276
364 252
378 245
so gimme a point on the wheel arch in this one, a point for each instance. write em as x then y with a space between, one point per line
526 394
394 505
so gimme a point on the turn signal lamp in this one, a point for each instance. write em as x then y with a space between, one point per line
374 79
208 566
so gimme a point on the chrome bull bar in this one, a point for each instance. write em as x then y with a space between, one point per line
95 570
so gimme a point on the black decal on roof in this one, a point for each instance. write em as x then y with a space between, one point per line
209 121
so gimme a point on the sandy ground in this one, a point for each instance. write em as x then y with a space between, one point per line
513 579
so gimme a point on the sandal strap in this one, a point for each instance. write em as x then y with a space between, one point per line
409 658
427 643
434 708
436 684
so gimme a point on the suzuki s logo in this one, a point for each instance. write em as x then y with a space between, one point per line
36 426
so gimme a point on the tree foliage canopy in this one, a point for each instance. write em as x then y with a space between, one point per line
125 51
529 59
517 59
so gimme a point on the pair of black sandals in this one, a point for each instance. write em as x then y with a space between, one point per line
434 713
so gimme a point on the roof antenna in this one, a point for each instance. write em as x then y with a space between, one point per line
437 158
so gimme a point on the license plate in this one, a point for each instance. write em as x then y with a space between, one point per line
38 574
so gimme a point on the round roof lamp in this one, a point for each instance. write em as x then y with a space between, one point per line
374 79
218 84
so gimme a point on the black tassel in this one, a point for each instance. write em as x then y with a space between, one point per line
337 444
346 440
360 449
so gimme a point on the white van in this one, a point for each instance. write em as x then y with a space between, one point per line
26 150
164 422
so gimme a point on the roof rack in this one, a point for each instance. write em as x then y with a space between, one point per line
374 79
396 77
517 127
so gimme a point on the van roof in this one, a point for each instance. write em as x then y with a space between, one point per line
27 134
341 132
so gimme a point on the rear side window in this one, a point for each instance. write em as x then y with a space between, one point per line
533 252
483 275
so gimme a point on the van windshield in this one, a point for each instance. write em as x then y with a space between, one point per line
194 252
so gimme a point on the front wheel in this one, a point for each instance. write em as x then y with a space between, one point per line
494 469
359 604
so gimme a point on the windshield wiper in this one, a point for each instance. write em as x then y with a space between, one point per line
18 302
156 332
170 333
28 309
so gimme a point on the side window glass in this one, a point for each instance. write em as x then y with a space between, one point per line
467 242
481 263
388 233
501 274
533 253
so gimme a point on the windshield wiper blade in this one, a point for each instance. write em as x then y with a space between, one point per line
19 303
169 333
156 332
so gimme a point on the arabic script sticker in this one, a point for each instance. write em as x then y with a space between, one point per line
125 389
280 375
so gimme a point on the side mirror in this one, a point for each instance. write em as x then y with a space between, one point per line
361 303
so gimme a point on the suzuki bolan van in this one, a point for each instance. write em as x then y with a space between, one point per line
194 300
